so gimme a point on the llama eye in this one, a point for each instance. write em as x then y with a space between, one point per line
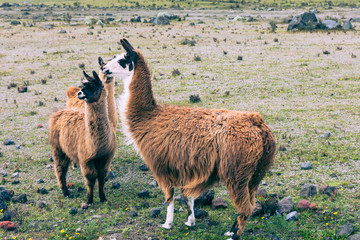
114 57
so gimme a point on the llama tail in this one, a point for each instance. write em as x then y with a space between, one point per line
256 118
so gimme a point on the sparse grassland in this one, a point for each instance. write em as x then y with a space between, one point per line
301 92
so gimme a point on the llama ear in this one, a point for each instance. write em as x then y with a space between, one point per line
96 78
126 45
87 78
101 61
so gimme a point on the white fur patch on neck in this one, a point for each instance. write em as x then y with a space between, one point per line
123 102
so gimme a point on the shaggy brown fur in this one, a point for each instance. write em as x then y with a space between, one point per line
109 82
84 137
193 148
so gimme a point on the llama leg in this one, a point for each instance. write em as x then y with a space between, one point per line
169 199
61 163
191 218
90 183
101 181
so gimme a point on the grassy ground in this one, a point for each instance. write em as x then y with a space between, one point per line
301 92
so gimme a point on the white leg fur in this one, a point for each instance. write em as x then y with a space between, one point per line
191 219
169 215
229 234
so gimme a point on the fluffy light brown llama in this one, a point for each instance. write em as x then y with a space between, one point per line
84 137
109 83
192 148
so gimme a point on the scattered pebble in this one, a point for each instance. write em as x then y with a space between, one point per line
6 216
41 204
7 225
304 204
40 126
154 183
110 175
42 191
144 168
285 205
115 185
205 198
326 135
306 165
62 31
292 216
261 192
313 206
330 191
345 230
40 181
199 213
15 175
145 204
258 209
15 181
84 206
133 213
354 237
3 206
154 212
4 195
181 209
73 211
3 173
308 190
144 194
218 203
9 142
19 199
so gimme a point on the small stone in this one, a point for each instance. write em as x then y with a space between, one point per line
144 194
218 203
137 208
19 199
181 209
154 212
40 181
154 183
292 216
313 206
17 147
261 193
6 216
145 204
62 31
308 190
258 209
327 134
347 25
115 185
41 204
3 173
306 165
333 175
40 126
144 168
69 185
330 191
199 213
78 230
42 191
282 148
133 213
4 195
11 192
73 211
7 225
354 237
304 204
285 205
22 89
84 206
205 198
15 175
49 166
9 142
345 230
110 175
3 206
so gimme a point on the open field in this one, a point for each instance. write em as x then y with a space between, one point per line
302 93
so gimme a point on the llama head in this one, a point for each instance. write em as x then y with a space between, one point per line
91 91
122 66
105 78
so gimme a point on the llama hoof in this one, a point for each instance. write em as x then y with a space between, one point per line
190 224
165 226
229 234
103 200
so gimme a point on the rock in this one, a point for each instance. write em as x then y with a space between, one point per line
22 89
327 134
3 173
15 181
3 206
133 213
304 204
84 206
19 199
354 237
261 193
285 205
110 175
258 209
345 230
48 26
292 216
304 21
357 19
15 22
218 203
69 185
89 20
7 225
144 194
6 216
308 190
40 181
42 191
41 204
330 191
40 125
9 142
199 213
143 168
62 31
162 19
330 24
205 198
347 25
181 209
115 185
313 206
15 175
154 212
17 147
145 204
11 192
306 165
73 211
4 195
137 208
154 183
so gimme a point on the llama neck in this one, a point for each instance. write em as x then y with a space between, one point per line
141 96
97 122
111 103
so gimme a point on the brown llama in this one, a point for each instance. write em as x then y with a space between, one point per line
85 138
192 148
109 83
